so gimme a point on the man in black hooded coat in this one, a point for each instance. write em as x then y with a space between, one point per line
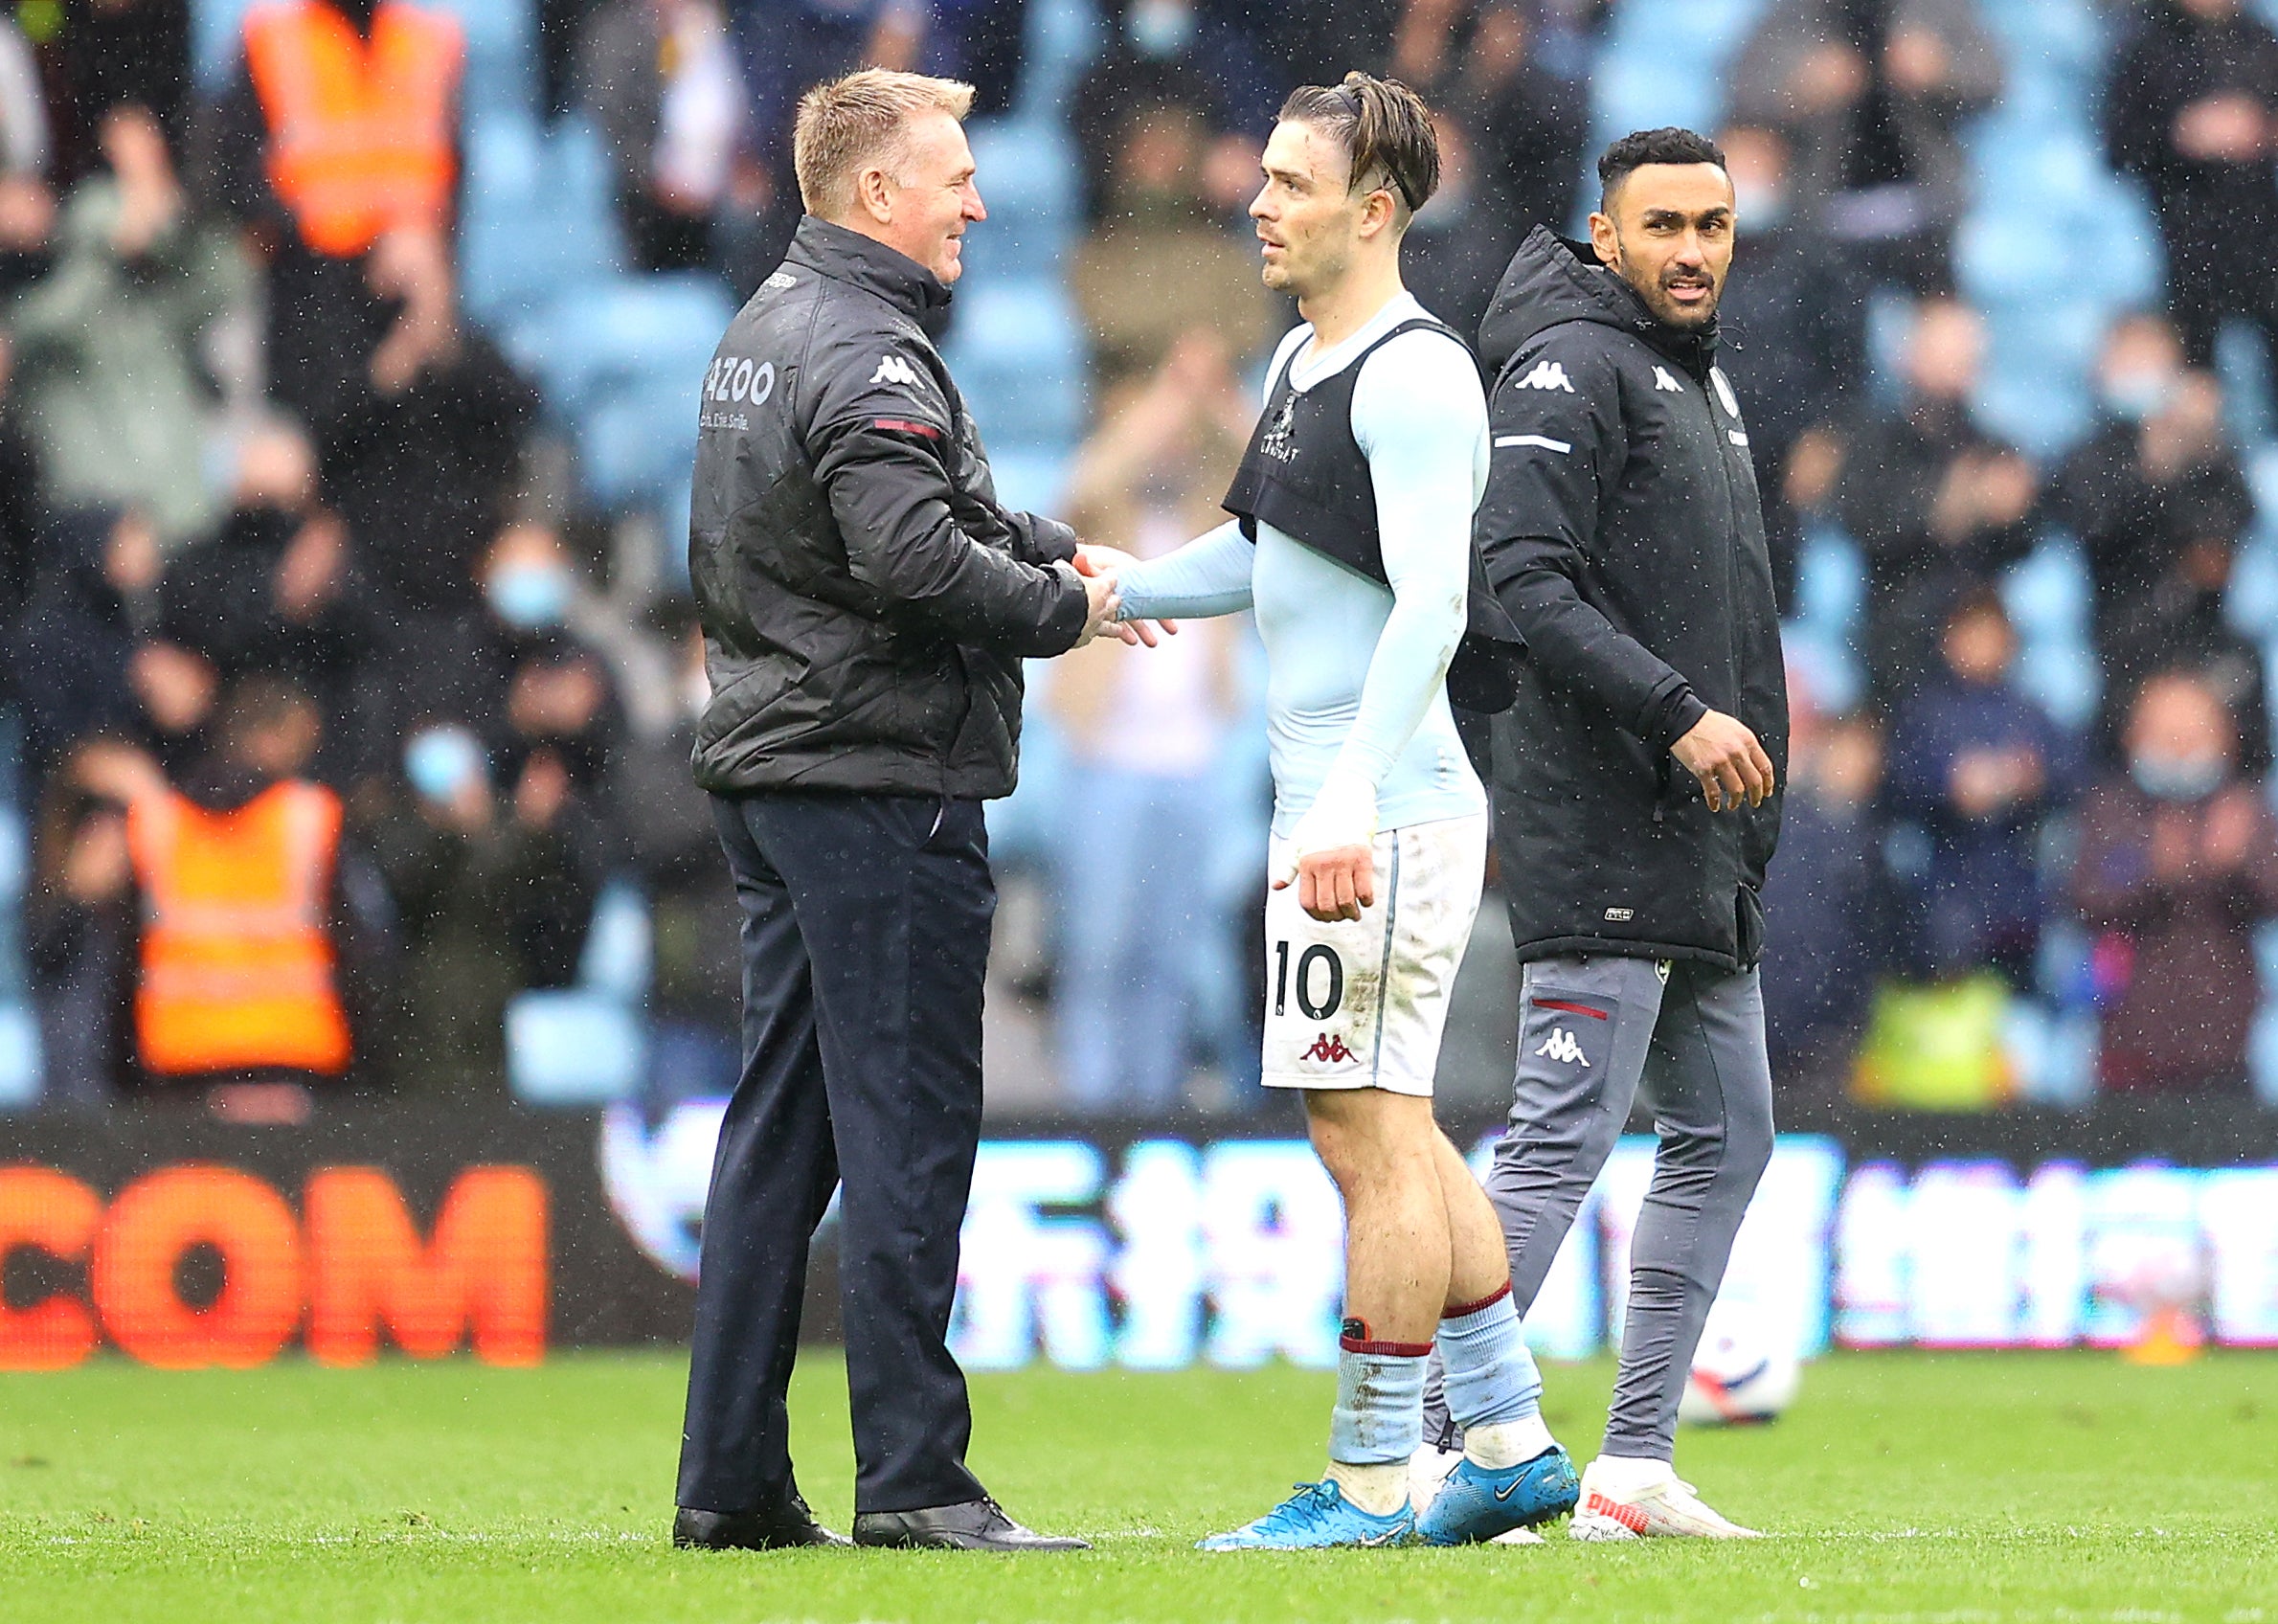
1635 781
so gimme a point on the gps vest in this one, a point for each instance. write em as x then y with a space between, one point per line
238 972
1307 476
360 131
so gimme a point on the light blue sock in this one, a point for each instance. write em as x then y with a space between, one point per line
1491 1375
1379 1418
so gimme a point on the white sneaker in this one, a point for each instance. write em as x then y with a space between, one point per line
1428 1468
1646 1505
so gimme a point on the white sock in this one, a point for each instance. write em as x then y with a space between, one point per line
1378 1490
1505 1444
1630 1475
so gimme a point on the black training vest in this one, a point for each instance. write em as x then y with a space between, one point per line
1305 475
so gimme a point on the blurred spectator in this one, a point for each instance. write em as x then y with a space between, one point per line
2177 864
1533 123
1828 908
262 943
112 381
340 129
1794 319
1938 505
1182 54
661 80
561 38
1975 770
71 654
276 591
2191 106
422 439
27 200
1145 730
1161 264
695 1000
461 662
110 54
1873 95
21 511
1459 242
1320 41
489 899
79 915
2159 503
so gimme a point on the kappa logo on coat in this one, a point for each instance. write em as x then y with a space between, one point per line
894 369
1547 375
1662 380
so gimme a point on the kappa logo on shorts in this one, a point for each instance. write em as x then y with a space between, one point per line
1328 1048
1561 1046
1547 375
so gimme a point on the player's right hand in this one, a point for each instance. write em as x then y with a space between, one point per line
1726 756
1101 601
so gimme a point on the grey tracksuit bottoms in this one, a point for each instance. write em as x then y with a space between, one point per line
1591 1030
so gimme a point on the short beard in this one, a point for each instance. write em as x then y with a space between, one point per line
1670 315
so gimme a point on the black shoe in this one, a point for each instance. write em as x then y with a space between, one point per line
790 1524
974 1525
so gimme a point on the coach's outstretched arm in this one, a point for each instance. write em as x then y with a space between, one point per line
1553 452
879 454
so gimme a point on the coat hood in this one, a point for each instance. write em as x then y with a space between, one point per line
1551 280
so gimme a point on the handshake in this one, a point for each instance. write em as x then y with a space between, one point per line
1097 565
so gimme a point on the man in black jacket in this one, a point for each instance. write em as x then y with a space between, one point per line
865 604
1622 532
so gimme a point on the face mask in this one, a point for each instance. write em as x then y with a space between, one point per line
2137 395
1160 27
531 597
2172 778
442 762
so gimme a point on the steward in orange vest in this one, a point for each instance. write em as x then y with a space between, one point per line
360 120
239 971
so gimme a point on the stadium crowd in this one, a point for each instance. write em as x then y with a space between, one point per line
327 691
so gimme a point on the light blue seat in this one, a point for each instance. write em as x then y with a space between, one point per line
538 217
19 1057
1018 355
585 1045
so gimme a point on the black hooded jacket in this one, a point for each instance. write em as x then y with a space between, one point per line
866 601
1621 530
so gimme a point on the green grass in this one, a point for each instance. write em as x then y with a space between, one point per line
1942 1490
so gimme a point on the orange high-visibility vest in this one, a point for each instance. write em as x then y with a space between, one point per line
360 133
238 971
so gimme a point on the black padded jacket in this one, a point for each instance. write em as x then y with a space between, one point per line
1622 533
866 600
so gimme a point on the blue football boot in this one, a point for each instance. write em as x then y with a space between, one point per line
1317 1516
1475 1504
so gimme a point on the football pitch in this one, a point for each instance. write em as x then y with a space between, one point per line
1944 1489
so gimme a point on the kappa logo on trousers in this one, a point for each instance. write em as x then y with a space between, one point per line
1561 1046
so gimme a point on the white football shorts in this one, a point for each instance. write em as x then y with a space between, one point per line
1361 1004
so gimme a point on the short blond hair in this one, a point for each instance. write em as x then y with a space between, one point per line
859 119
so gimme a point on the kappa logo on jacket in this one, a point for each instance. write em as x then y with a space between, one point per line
894 369
1547 375
1662 380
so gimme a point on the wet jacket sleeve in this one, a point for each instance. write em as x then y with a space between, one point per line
883 454
1558 445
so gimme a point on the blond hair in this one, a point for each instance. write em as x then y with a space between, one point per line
849 122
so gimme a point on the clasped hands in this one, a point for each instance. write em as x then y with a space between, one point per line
1097 565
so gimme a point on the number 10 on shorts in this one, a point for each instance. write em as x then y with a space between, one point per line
1319 987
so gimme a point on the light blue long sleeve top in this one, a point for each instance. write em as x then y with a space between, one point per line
1356 670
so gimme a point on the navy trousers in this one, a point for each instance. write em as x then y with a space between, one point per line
865 935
